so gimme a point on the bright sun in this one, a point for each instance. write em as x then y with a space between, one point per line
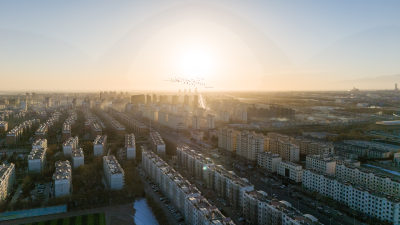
196 63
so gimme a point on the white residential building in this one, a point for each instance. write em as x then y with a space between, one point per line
182 194
227 139
282 145
7 180
210 121
290 170
370 178
157 143
323 163
269 161
36 160
78 158
99 145
39 143
312 147
70 144
249 144
130 146
62 179
113 173
382 207
261 209
225 183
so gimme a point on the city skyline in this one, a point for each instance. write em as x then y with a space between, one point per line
232 46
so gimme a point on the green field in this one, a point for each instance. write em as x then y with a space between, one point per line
90 219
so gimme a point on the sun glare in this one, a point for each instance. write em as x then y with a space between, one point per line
196 63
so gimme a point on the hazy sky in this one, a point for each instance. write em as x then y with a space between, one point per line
238 45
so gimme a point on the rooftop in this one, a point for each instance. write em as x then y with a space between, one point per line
156 138
62 171
100 140
112 164
77 152
37 153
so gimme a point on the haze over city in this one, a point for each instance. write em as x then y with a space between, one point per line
189 112
232 45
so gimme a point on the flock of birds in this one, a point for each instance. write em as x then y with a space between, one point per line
192 82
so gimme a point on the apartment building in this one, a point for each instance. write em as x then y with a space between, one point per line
182 194
113 173
249 144
261 209
282 145
313 147
78 158
99 145
138 127
362 199
130 146
269 161
196 122
195 163
3 126
15 134
370 178
271 141
69 145
322 163
225 183
157 143
7 180
227 139
66 130
366 149
290 170
288 151
37 159
39 143
210 121
42 130
62 179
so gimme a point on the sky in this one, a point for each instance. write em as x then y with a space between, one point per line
226 44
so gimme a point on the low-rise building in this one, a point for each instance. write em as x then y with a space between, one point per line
62 179
113 172
290 170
